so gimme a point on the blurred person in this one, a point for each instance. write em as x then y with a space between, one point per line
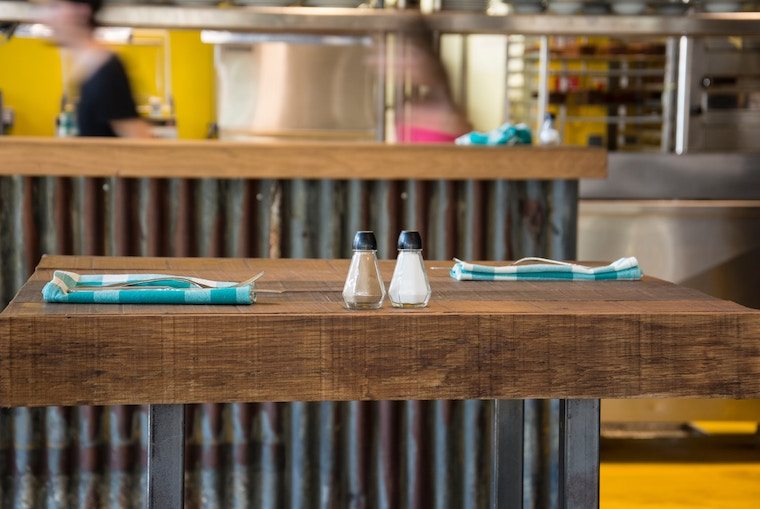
106 106
430 114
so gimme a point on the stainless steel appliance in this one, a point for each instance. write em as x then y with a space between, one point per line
296 86
724 95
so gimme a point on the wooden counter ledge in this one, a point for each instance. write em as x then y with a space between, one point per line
96 157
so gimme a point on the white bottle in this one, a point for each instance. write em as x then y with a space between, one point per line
548 135
409 286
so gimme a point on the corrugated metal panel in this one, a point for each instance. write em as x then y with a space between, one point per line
406 454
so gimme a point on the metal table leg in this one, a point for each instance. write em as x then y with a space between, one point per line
166 457
579 454
507 474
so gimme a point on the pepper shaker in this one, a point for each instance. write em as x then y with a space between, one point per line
364 288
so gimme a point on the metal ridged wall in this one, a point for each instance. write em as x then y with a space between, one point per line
296 455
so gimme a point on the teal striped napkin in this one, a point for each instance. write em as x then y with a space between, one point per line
624 269
70 287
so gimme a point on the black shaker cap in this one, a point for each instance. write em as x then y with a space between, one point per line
409 239
365 241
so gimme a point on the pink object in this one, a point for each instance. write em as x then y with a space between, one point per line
409 134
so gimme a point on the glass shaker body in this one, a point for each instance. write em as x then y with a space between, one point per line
409 287
364 288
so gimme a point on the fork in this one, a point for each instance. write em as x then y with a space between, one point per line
192 281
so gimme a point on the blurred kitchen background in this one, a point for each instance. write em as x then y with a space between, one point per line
679 114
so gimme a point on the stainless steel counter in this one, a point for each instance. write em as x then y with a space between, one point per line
709 245
692 219
707 176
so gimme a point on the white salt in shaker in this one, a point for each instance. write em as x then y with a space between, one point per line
409 287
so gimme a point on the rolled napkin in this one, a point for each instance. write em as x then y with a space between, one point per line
70 287
506 134
624 269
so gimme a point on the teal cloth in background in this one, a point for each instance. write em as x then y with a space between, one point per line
506 134
73 288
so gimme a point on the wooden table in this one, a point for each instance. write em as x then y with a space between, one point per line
578 342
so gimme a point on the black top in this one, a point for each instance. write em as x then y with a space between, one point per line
365 241
105 96
409 239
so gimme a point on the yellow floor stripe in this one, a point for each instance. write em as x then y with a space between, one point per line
680 485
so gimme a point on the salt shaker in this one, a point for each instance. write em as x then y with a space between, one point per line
409 287
364 288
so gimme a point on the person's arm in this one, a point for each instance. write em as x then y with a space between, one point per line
131 128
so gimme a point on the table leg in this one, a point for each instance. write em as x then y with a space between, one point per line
507 473
166 457
579 454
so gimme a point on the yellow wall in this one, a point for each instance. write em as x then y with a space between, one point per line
145 67
192 83
30 79
32 84
192 78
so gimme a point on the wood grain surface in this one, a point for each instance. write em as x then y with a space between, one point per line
100 157
476 340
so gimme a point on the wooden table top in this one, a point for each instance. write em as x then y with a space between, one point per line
481 340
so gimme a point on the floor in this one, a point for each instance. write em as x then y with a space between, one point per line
680 485
722 471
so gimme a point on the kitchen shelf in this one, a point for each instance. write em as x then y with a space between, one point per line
98 157
611 73
620 97
246 19
745 23
633 119
560 57
359 20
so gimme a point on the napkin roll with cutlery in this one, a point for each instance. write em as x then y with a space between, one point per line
70 287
